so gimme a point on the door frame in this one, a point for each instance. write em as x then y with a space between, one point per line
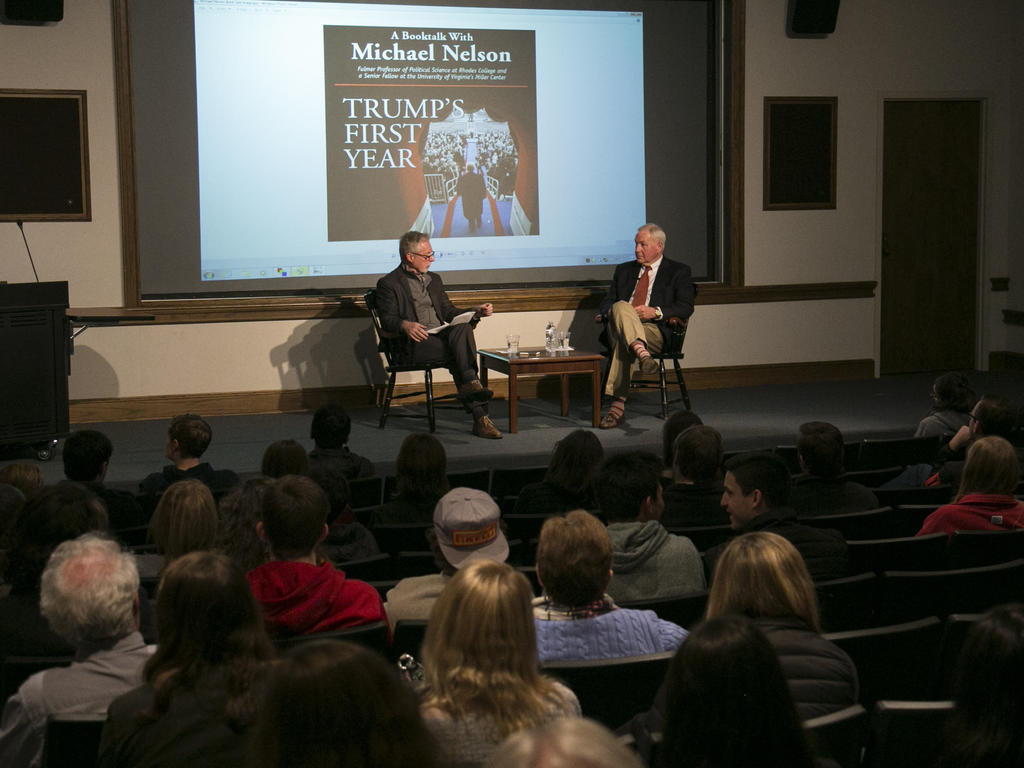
984 99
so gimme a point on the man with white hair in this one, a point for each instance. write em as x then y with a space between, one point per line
90 597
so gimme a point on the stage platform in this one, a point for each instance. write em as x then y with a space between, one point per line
748 418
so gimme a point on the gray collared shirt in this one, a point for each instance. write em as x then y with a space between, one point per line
425 313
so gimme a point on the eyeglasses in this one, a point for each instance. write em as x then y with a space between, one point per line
429 255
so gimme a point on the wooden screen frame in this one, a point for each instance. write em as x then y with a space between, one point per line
349 303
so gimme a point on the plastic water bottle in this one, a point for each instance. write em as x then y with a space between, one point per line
550 342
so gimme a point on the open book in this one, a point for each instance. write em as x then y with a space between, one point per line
465 317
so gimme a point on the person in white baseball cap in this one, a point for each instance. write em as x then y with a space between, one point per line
467 527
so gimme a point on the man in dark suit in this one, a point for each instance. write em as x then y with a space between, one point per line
643 295
411 301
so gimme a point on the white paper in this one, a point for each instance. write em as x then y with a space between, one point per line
465 317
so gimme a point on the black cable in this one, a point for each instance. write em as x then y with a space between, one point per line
21 226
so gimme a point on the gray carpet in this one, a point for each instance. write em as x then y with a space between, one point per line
748 418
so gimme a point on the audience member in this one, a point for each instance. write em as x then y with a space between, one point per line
347 539
299 594
331 703
649 562
986 727
992 415
728 704
466 529
984 501
567 743
27 478
695 496
569 481
480 665
575 618
420 480
185 521
203 687
86 454
57 514
761 576
90 597
822 489
952 399
284 457
677 423
756 497
239 512
188 437
330 431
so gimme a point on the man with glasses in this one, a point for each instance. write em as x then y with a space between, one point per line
411 301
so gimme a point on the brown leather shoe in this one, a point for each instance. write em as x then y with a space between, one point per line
484 427
648 366
474 390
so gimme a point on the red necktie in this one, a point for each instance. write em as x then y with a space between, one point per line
640 294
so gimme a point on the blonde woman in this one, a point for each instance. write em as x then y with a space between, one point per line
761 576
480 664
984 501
185 520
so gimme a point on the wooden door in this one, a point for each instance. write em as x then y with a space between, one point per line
930 220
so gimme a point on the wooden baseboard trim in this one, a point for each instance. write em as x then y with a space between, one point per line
285 401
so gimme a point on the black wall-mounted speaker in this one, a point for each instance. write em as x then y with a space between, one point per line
814 18
33 10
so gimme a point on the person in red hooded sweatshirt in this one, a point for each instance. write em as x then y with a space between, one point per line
299 594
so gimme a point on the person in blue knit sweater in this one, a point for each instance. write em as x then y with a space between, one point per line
575 619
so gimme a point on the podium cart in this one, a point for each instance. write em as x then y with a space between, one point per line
35 342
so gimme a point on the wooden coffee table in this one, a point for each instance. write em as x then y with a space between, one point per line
534 361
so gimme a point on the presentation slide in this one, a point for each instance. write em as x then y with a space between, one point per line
513 137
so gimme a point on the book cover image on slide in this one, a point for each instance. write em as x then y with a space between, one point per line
430 129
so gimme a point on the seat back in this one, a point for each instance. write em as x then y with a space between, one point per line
910 594
397 537
368 568
968 549
384 340
373 636
893 662
366 492
612 691
869 524
906 734
888 452
72 741
847 603
684 610
509 481
839 736
905 553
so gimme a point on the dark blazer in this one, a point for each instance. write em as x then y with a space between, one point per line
673 289
394 304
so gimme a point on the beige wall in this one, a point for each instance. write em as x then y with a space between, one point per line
914 48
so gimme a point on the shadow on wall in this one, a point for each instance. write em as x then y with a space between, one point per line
91 375
320 353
